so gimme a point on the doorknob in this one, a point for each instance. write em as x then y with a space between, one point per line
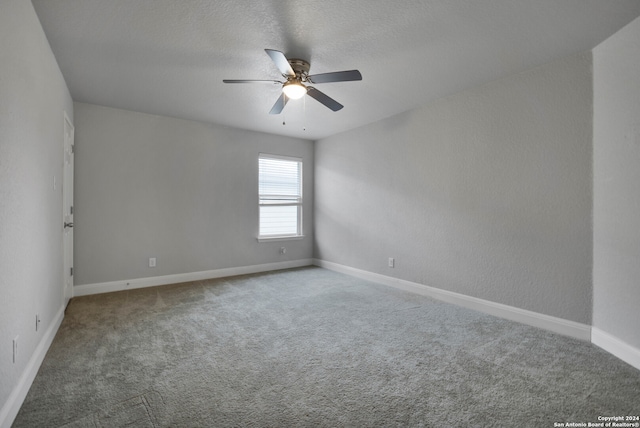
70 224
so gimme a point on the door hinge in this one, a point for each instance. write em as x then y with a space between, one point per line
71 271
73 148
71 210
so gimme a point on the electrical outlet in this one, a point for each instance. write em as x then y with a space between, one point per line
37 322
392 262
15 349
152 262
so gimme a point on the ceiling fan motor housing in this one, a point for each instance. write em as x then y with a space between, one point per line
300 67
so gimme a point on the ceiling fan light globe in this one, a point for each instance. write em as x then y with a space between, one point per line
294 90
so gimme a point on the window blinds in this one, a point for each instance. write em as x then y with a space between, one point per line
280 190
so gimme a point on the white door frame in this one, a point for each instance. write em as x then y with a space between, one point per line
67 209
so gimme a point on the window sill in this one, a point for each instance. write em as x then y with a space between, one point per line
279 238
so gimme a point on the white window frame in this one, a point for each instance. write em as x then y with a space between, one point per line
271 200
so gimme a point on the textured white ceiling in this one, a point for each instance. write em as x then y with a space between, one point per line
169 57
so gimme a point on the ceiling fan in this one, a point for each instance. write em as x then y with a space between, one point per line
296 73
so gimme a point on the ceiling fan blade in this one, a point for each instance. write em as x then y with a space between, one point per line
279 105
337 76
324 99
250 81
281 62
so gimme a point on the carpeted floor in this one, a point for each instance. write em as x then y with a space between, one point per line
313 348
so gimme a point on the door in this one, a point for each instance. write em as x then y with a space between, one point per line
67 210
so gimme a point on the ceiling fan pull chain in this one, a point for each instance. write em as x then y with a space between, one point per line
304 113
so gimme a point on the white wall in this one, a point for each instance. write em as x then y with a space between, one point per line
33 97
486 193
181 191
616 188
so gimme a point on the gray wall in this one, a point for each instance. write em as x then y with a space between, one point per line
33 97
486 193
181 191
616 190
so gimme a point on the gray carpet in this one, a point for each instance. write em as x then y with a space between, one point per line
313 348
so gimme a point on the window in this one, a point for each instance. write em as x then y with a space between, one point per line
280 192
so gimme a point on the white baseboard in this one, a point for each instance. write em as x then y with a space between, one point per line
535 319
11 408
615 346
130 284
